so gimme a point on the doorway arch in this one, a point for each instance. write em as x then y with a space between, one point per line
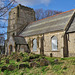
10 49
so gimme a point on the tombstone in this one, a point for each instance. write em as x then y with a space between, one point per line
18 60
3 68
7 61
44 62
56 61
11 67
33 64
21 66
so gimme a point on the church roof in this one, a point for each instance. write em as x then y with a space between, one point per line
72 27
50 24
20 40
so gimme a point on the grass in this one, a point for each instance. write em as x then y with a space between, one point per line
65 66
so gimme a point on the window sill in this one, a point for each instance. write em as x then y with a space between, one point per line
51 51
55 51
34 51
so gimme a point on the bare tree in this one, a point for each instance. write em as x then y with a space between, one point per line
41 13
5 6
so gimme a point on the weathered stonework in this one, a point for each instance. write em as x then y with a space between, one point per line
47 44
19 18
39 34
71 44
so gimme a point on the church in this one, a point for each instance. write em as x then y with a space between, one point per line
52 36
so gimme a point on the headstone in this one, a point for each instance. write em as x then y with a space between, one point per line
23 66
33 64
56 61
18 60
11 67
7 61
44 62
3 68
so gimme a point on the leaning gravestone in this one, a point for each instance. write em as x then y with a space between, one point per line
44 62
11 67
7 61
33 64
21 66
18 60
3 68
56 61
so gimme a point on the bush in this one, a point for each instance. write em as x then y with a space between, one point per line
25 59
43 68
22 54
24 65
37 56
22 73
13 53
31 56
6 72
25 54
3 68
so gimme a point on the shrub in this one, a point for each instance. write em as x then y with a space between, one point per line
22 73
25 59
37 56
22 54
24 65
6 72
31 56
43 68
3 68
62 59
25 54
13 53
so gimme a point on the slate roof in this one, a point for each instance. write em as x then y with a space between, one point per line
54 23
20 40
72 27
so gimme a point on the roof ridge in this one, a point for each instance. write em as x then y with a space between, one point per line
53 16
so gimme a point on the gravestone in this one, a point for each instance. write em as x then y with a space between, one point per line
7 61
3 68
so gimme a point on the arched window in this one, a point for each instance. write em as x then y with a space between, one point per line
10 47
54 43
34 45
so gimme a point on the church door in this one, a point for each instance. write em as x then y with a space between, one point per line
10 49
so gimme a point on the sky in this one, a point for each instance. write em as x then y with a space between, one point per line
59 5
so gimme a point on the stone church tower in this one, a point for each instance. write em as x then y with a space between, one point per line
19 18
